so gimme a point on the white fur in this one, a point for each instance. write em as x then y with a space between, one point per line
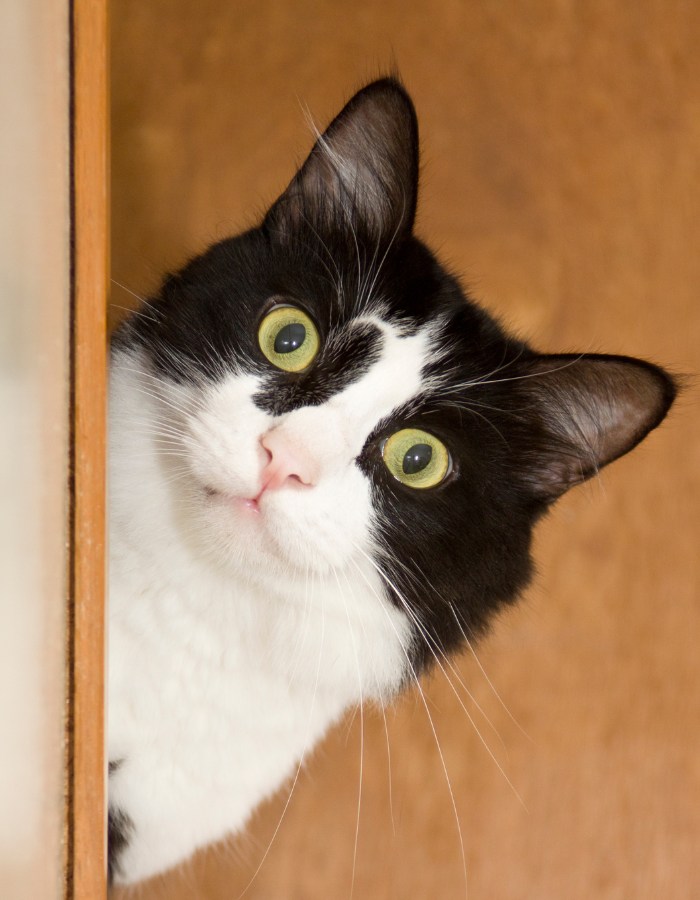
237 638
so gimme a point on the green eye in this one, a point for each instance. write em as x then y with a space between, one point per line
288 338
416 458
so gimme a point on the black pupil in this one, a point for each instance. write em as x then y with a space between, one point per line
290 338
417 458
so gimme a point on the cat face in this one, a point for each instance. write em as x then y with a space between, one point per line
334 396
289 484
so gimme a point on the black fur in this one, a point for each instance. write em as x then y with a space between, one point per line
119 831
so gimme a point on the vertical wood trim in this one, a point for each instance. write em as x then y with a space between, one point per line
86 820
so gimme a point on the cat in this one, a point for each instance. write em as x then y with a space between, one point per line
326 463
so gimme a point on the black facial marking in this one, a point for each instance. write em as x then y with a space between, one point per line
417 458
345 355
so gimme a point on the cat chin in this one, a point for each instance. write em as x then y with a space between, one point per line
294 531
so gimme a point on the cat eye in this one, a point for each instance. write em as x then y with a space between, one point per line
288 338
416 458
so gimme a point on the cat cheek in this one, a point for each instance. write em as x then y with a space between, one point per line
218 470
224 449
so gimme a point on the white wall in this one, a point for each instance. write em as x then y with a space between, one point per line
34 320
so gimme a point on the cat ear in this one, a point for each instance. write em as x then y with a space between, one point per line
362 173
591 409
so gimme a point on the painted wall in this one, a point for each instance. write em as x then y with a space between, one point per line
561 177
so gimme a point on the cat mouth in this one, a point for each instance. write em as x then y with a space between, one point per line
255 521
250 505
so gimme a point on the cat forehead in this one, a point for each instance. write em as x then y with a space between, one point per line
336 276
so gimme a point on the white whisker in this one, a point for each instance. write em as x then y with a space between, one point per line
362 733
430 720
430 643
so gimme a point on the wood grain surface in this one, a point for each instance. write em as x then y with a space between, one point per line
86 864
561 178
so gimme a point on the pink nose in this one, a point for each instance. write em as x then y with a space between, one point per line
285 466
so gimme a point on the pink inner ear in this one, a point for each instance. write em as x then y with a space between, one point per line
596 408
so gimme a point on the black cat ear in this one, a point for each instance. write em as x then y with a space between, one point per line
362 173
591 410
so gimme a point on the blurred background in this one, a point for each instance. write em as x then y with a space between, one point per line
561 178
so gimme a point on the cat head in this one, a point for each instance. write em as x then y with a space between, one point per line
335 399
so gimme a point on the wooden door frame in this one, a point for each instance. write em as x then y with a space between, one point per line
86 767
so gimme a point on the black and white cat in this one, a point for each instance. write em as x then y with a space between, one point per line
326 463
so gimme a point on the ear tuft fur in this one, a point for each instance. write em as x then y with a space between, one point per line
362 173
592 409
